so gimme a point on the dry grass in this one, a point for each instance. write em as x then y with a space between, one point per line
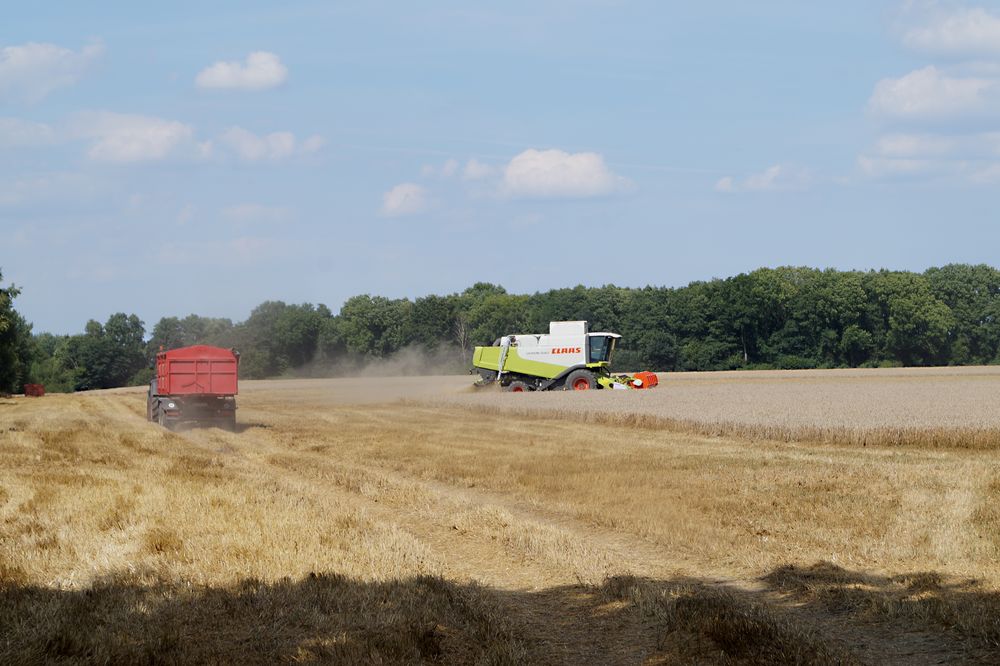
338 529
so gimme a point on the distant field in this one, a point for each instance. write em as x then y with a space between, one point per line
415 520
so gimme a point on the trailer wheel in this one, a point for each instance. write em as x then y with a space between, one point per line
517 386
579 380
169 424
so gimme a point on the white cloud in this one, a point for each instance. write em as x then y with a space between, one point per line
31 71
312 144
910 145
262 70
987 175
966 156
777 178
446 170
877 167
89 268
964 31
131 138
49 188
404 199
16 132
253 212
476 170
725 184
940 119
555 173
240 251
928 93
253 148
125 138
185 215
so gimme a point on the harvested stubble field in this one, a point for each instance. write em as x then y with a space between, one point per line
714 520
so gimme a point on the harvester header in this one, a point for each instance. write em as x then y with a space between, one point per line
568 357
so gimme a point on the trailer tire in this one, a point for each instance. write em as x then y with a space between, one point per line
580 380
169 424
517 386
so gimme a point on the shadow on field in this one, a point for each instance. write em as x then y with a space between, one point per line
960 609
131 618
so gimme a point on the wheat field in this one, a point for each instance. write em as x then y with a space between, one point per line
946 407
721 518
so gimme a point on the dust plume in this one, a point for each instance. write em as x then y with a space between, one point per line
412 361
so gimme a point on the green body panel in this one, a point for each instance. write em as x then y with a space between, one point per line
488 358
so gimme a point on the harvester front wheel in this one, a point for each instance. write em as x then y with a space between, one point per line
580 380
517 386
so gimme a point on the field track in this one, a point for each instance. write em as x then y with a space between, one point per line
408 520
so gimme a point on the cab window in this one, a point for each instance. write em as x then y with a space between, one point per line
600 349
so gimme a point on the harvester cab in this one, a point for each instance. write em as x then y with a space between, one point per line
569 357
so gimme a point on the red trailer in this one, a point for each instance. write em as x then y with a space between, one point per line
196 385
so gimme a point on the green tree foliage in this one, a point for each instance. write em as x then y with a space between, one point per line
375 326
46 365
972 293
172 332
105 356
786 317
15 342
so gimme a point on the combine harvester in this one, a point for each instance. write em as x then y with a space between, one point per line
569 358
194 385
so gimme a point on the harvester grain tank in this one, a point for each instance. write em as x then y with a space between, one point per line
194 385
569 357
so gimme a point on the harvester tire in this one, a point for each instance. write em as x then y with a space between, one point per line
517 386
580 380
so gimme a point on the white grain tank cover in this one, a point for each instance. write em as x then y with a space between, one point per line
567 328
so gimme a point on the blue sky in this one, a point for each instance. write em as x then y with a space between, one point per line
204 157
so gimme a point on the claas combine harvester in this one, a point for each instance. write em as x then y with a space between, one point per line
568 358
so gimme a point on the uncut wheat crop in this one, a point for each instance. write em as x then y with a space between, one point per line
910 406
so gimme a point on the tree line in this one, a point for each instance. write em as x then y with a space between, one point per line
785 317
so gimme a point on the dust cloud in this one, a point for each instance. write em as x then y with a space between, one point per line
411 361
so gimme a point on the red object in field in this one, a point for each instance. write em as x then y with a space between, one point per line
34 390
197 370
649 379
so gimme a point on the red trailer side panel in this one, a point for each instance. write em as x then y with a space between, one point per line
197 370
